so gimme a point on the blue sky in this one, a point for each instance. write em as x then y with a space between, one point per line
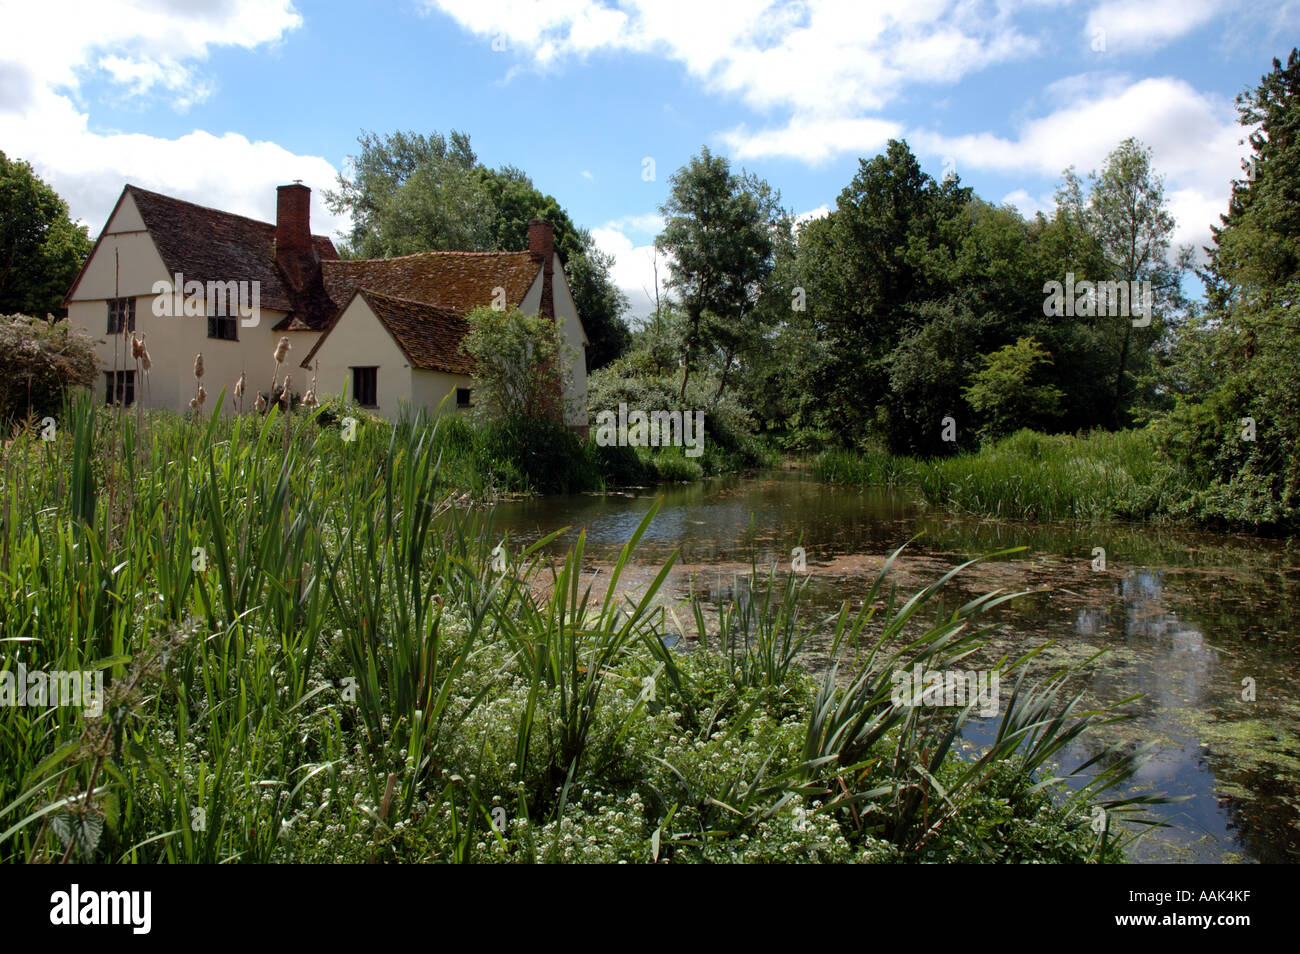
220 101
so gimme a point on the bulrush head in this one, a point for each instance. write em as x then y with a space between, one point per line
198 365
282 349
140 353
239 385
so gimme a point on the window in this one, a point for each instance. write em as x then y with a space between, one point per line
121 310
462 397
222 327
119 387
365 386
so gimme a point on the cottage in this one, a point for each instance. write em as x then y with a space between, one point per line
386 331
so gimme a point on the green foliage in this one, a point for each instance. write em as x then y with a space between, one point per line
1235 372
1030 476
730 442
1004 395
40 361
351 675
41 249
518 365
535 454
721 231
414 193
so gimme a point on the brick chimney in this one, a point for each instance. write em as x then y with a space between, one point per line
295 252
541 243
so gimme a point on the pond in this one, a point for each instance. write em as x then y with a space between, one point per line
1204 627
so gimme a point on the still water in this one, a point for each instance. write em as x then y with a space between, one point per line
1196 623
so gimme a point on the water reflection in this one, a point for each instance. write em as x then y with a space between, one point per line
1186 619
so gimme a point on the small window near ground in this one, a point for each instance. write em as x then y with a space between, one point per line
121 311
119 387
462 397
365 387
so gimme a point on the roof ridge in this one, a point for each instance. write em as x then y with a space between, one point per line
399 258
208 208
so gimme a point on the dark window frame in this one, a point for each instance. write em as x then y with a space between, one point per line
117 307
365 384
119 387
222 327
464 397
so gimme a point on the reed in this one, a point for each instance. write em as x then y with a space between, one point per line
314 650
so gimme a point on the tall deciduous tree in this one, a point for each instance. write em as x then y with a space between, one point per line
720 231
1128 216
41 249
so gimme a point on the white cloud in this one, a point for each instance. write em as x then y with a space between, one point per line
586 174
633 270
1194 139
139 45
826 62
812 140
817 213
1147 25
146 48
1027 205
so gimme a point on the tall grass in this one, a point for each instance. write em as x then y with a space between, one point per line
313 651
1027 476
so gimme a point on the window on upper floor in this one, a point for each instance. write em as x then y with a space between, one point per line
121 312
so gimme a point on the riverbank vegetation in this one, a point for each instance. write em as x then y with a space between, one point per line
915 332
312 653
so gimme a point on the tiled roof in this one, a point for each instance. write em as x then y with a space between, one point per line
210 245
429 335
460 280
421 299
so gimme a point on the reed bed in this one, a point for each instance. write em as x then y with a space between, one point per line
314 650
1027 476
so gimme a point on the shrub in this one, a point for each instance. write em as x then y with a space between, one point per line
39 361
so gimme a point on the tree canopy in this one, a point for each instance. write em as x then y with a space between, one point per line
41 248
410 192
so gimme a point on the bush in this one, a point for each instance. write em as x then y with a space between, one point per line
535 453
39 361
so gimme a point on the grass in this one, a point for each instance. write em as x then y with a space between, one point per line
1027 476
312 652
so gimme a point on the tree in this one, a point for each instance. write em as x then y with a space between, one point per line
1004 394
41 249
1127 215
414 193
381 170
719 229
1236 369
885 249
518 364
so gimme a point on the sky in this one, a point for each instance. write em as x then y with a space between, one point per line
599 101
